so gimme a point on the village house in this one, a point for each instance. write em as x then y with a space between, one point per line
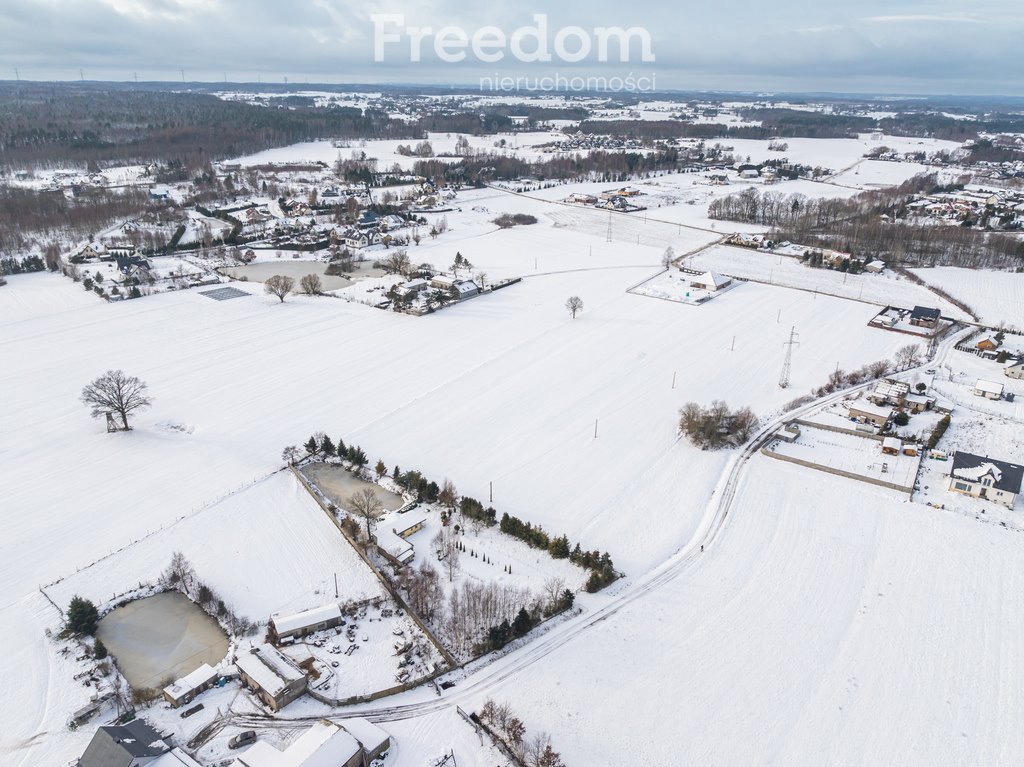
890 392
284 628
1015 370
865 411
987 344
918 403
135 744
188 687
925 317
466 289
988 389
986 478
875 267
325 744
274 678
710 281
374 741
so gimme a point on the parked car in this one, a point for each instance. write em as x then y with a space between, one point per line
243 738
189 711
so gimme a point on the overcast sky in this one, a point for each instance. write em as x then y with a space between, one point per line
874 46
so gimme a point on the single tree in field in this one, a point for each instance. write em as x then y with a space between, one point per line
367 505
290 454
574 305
82 616
311 285
279 286
115 392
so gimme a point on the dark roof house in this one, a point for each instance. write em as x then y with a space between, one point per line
972 468
130 745
924 315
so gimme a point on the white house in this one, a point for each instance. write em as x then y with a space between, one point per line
1015 370
186 688
325 744
710 281
988 389
986 478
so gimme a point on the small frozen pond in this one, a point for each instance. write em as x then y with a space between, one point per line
339 485
161 638
259 272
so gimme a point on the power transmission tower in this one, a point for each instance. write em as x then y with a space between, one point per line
793 341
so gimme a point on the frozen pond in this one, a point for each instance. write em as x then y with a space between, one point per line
161 638
339 484
289 268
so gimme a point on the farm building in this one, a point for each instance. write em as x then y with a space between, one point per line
273 677
986 478
325 744
988 389
287 627
710 281
924 317
188 687
373 740
868 412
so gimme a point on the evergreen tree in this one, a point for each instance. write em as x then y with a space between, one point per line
396 473
327 447
341 449
99 650
522 624
82 616
311 446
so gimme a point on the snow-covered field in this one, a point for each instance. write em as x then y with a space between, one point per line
882 289
832 623
235 381
997 297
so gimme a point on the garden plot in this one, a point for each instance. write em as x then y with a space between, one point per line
996 297
376 648
882 289
850 454
674 285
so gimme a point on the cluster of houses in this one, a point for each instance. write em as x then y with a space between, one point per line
580 141
355 742
612 199
997 209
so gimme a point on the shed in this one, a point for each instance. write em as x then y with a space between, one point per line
188 687
892 446
300 624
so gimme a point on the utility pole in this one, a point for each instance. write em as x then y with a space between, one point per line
784 378
335 585
17 75
595 428
608 238
490 491
673 379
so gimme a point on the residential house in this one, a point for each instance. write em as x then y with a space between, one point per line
918 403
890 392
1015 370
925 317
875 267
368 220
93 250
443 282
865 411
135 744
987 344
188 687
373 740
986 478
988 389
466 289
364 239
325 744
287 627
710 281
274 678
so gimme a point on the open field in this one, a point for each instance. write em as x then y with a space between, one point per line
997 297
236 381
832 623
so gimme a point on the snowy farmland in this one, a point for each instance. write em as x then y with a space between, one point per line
882 289
997 297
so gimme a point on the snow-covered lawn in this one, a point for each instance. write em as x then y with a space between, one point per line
882 289
996 297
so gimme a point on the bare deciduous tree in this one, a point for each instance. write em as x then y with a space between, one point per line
311 285
115 392
575 305
908 356
668 257
368 506
290 454
448 496
279 286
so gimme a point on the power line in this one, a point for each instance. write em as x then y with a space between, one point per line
793 341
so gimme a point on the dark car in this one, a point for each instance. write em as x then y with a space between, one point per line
194 710
242 739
